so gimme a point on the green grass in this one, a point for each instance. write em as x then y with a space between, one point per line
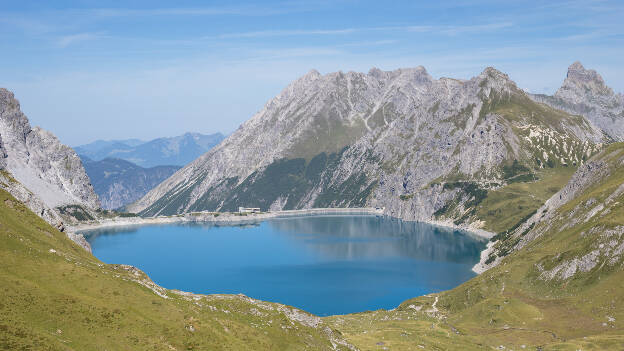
56 296
327 135
505 207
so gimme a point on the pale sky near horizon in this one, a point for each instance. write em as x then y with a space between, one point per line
89 70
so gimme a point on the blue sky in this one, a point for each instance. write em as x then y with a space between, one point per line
90 70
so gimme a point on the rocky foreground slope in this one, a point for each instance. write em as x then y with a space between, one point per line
420 148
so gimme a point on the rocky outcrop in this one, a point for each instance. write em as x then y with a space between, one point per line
584 92
32 201
36 158
40 171
383 139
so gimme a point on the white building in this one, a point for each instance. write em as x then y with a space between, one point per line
248 209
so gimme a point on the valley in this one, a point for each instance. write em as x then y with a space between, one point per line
543 185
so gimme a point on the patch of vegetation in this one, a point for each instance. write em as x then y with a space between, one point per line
101 213
513 170
406 197
473 192
328 135
75 211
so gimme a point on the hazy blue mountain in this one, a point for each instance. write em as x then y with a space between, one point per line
178 151
119 182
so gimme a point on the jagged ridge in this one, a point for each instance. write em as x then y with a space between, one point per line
376 139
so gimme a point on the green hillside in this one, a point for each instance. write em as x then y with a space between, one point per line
56 296
562 291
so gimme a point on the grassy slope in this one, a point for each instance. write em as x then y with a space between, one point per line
509 305
68 300
504 207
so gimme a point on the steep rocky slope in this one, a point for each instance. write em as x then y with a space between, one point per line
584 92
419 147
42 173
118 182
177 151
36 159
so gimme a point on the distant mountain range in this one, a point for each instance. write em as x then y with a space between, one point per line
174 151
119 182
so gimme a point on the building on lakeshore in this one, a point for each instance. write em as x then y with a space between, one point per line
248 209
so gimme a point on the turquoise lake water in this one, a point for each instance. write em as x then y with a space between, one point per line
323 264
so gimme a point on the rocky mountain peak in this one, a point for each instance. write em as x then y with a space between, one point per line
493 80
35 158
495 76
581 81
375 72
311 75
584 92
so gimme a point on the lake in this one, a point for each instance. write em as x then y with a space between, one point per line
325 265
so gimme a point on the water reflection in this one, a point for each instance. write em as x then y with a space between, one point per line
370 236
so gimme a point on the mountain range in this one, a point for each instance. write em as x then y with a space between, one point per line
119 182
421 148
173 151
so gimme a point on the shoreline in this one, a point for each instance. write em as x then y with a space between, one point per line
228 218
224 218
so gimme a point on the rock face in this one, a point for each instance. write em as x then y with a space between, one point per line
584 92
118 182
32 201
46 173
3 155
388 139
174 151
37 159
